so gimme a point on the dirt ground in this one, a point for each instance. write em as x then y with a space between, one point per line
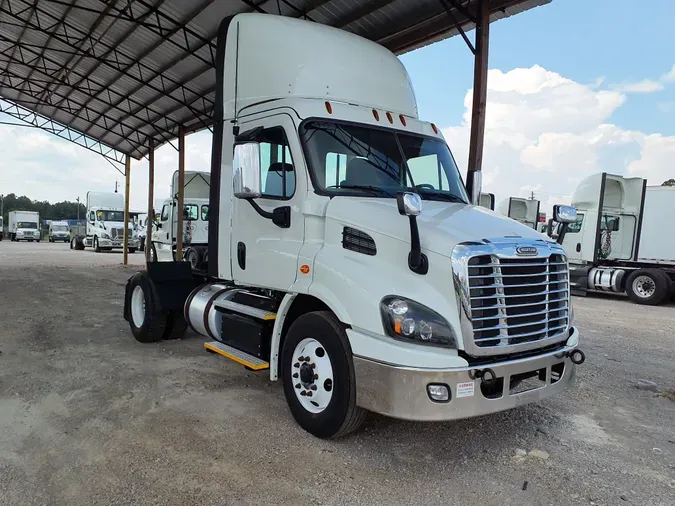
88 416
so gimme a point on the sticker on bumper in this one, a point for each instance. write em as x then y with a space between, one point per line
465 389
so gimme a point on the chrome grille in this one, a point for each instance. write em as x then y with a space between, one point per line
117 233
515 301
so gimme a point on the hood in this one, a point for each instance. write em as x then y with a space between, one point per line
442 225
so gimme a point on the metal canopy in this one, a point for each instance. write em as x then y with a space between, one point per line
113 74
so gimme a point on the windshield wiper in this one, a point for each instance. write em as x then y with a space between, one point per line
448 197
375 190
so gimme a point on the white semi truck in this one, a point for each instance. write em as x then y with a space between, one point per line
525 211
105 224
345 255
24 226
623 238
195 222
59 231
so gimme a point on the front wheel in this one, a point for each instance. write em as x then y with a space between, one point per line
132 250
648 286
318 376
97 248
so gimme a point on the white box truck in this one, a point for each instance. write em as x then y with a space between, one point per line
345 255
525 211
59 231
622 240
24 226
195 222
105 224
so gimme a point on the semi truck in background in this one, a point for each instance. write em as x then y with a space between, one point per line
2 228
525 211
24 226
623 238
59 231
105 224
196 190
345 255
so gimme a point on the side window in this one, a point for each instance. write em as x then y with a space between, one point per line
191 212
205 213
277 173
427 170
92 216
575 228
165 213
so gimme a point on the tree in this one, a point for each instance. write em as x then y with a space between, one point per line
670 182
59 211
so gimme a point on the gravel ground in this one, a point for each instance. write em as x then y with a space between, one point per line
88 416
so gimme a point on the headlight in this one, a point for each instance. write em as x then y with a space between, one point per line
408 320
104 235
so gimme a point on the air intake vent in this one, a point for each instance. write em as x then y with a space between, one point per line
358 241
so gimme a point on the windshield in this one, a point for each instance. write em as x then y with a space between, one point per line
26 224
59 228
360 160
110 215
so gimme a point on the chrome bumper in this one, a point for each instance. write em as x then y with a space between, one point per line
401 392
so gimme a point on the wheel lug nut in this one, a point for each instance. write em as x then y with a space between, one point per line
312 365
313 387
316 377
297 386
309 394
301 359
295 375
303 393
296 365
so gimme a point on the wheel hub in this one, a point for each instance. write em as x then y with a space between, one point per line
312 375
306 375
644 286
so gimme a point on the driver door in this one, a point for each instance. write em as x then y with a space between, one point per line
262 253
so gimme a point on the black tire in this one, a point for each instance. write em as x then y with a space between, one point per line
155 321
176 326
79 243
72 243
141 244
153 253
132 250
97 248
194 257
341 416
654 292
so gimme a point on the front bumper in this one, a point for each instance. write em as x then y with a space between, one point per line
116 243
401 392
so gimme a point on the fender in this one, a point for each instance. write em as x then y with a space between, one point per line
282 312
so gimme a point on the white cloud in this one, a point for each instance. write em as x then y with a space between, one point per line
644 86
545 133
670 76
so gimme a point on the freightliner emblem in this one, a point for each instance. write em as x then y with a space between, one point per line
526 251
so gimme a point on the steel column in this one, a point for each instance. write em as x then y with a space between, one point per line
127 184
181 200
149 223
480 70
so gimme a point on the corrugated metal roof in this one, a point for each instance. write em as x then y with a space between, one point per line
123 71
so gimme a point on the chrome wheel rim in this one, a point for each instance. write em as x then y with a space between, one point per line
644 286
138 306
312 375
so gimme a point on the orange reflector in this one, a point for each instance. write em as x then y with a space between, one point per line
402 118
397 326
390 117
305 268
435 128
329 108
376 115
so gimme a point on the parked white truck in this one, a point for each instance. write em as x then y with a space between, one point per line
24 226
59 231
2 228
622 240
345 255
105 224
197 187
525 211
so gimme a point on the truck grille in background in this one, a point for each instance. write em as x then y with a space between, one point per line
516 301
117 233
358 241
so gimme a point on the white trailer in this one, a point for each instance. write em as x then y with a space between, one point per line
525 211
24 226
197 186
105 224
345 255
623 240
59 231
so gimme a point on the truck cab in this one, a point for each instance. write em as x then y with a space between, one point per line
345 254
525 211
24 226
105 224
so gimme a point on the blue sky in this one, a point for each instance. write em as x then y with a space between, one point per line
583 40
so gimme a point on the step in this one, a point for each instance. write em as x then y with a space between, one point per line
241 357
254 312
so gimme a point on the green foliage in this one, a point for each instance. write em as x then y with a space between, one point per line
59 211
670 182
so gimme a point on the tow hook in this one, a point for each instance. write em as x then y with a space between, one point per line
577 356
487 376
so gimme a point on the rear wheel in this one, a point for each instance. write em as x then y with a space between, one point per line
194 256
648 286
318 376
148 323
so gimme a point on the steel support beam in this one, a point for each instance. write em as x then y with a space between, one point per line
127 184
480 70
151 201
181 194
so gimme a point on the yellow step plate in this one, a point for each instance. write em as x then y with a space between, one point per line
241 357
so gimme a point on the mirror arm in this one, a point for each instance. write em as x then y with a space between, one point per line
563 231
281 216
417 261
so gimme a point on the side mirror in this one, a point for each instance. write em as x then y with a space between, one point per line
477 187
564 214
246 171
158 225
487 200
409 204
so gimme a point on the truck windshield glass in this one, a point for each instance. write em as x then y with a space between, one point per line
359 160
26 224
59 228
110 215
